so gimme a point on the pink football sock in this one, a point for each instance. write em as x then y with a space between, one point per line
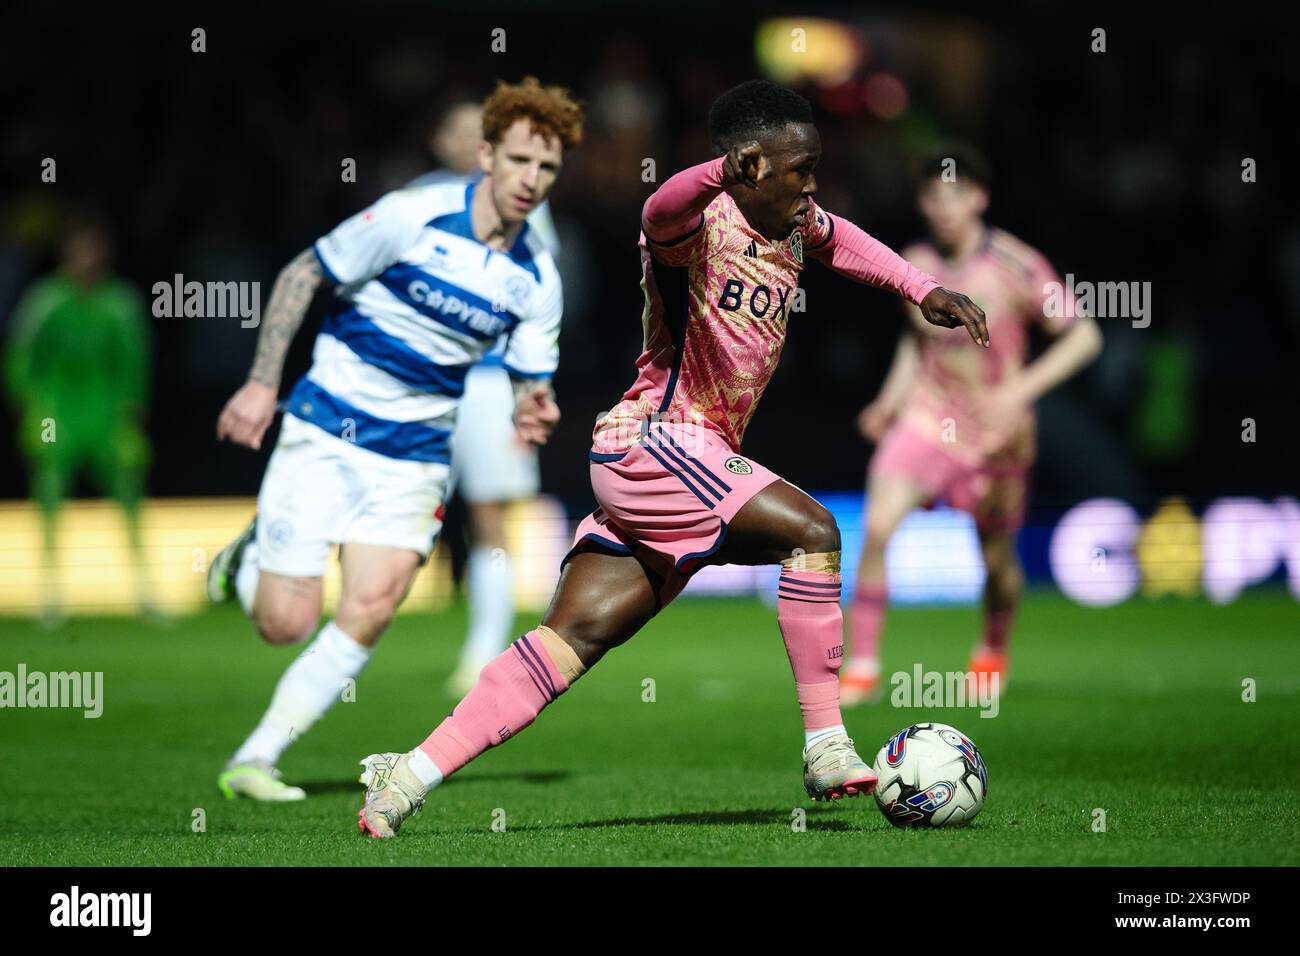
808 610
510 693
866 620
997 628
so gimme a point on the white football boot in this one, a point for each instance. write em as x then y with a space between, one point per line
393 793
257 780
832 769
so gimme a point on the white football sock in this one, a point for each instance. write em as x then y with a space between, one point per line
312 685
811 737
422 766
863 666
246 576
491 606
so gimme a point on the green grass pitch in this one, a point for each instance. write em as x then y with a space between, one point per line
1136 710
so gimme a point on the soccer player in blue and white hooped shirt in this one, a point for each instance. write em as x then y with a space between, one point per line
491 467
427 280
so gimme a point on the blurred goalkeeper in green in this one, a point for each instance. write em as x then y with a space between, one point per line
77 371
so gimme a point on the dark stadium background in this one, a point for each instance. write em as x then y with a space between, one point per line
1156 671
1122 166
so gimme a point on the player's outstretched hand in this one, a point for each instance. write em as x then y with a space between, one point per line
948 309
247 415
746 165
536 415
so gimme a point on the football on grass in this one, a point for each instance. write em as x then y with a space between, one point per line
931 775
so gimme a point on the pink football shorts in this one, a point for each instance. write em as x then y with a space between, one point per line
668 500
994 494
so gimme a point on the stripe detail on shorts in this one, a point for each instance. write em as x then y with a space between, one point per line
610 546
663 436
649 446
701 555
680 461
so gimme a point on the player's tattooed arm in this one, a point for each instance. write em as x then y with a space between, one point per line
290 298
251 410
536 413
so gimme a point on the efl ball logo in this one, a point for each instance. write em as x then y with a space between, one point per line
738 466
927 801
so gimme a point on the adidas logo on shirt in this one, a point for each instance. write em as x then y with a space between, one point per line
751 249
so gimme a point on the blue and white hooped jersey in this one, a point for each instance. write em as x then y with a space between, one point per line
419 302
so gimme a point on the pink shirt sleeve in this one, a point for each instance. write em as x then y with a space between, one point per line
675 208
851 252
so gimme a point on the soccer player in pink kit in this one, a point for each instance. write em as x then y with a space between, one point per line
957 422
722 247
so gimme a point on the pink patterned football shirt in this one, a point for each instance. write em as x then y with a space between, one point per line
718 301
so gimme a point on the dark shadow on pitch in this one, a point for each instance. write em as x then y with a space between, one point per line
350 785
704 818
511 776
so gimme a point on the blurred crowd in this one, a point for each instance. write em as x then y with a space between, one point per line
1123 165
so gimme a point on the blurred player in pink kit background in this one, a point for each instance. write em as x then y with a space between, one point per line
956 422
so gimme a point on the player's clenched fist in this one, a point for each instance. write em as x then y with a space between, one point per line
948 309
247 415
536 415
745 164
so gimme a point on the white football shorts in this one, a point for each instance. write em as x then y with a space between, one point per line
319 491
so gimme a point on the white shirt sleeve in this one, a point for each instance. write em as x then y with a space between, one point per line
368 243
533 350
